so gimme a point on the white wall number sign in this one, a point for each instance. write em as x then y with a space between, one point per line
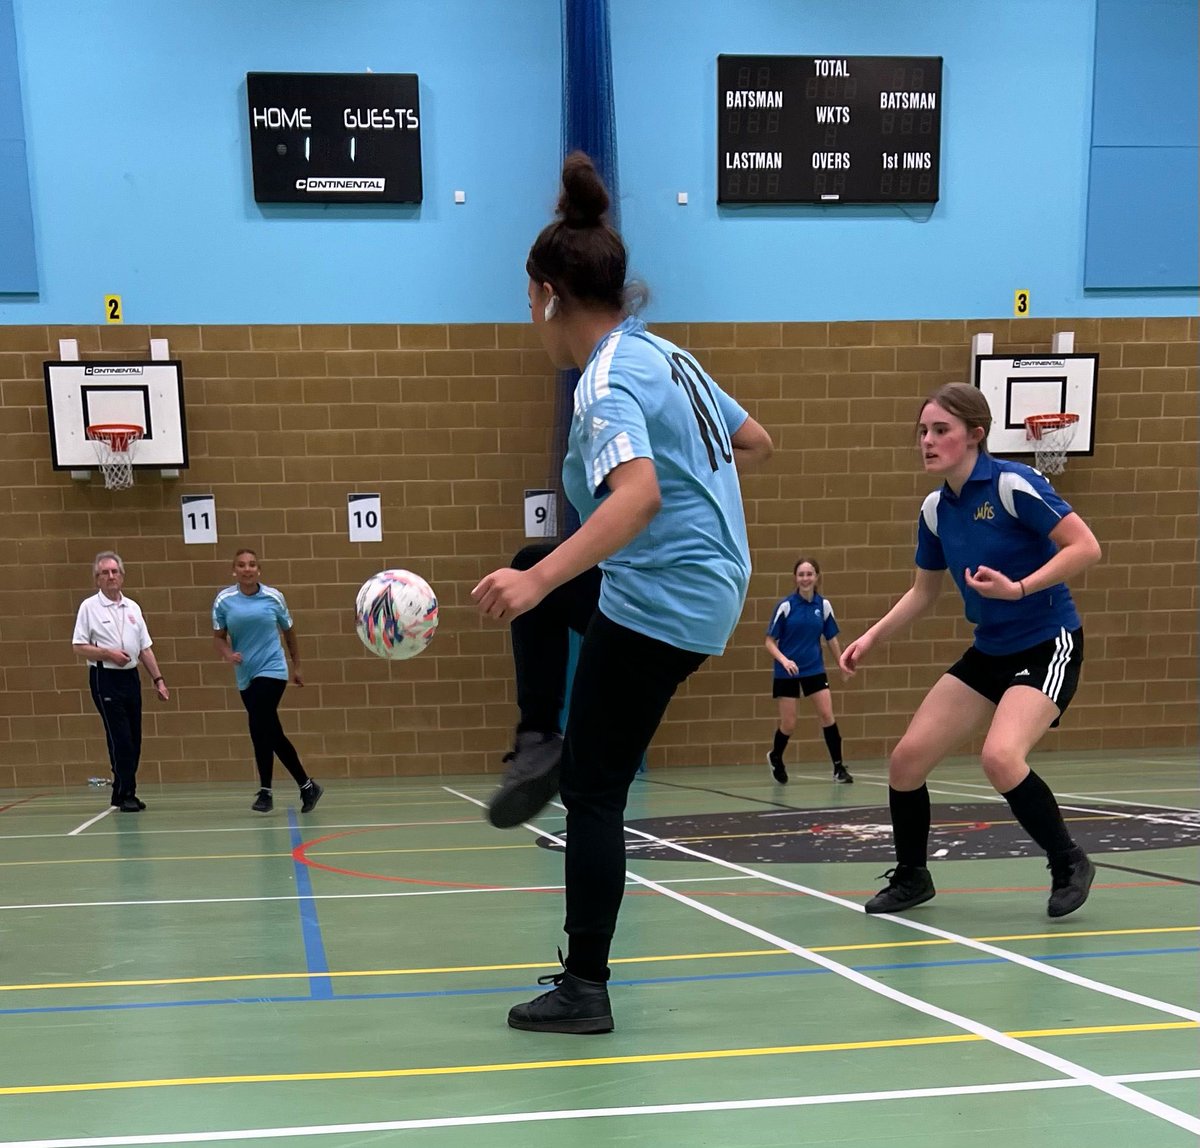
366 518
199 518
541 514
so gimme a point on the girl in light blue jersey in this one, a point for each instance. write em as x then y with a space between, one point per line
652 460
1010 544
248 618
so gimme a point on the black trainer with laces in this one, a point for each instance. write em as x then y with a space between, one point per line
778 770
264 802
310 794
1071 876
573 1005
908 886
530 780
842 775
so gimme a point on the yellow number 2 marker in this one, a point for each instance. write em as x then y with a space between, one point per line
112 309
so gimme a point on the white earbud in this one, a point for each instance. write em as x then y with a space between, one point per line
551 309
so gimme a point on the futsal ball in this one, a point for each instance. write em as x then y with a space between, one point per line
396 614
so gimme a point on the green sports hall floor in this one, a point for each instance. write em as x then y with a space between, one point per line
200 974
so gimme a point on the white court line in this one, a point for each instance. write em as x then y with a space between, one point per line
80 828
1109 801
587 1113
957 1020
990 794
341 896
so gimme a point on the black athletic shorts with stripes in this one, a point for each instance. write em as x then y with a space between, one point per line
1051 667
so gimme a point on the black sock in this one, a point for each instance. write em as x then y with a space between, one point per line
910 825
781 740
1033 805
833 741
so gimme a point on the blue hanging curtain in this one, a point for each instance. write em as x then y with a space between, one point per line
589 125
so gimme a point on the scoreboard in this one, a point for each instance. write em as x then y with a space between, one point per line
329 137
828 129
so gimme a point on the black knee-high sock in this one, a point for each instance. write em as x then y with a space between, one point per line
1034 806
910 825
781 740
833 742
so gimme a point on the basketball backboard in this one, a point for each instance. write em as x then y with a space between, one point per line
1017 386
142 393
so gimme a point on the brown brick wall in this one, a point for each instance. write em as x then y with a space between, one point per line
450 424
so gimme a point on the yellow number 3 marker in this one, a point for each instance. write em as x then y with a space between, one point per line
112 309
1020 304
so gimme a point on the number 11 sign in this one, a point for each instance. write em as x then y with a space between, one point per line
199 518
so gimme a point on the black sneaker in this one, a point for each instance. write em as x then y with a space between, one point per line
842 775
1071 876
132 805
530 780
573 1005
264 802
908 886
778 770
310 794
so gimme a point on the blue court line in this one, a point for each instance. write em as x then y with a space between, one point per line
630 983
321 987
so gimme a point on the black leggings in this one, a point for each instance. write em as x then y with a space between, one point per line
261 699
623 683
541 641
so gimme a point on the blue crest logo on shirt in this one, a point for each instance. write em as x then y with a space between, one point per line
984 512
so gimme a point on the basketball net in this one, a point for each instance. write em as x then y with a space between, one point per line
1051 436
115 444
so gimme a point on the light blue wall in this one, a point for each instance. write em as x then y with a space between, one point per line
18 268
136 122
1016 128
140 170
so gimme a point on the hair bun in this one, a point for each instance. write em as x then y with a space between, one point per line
584 200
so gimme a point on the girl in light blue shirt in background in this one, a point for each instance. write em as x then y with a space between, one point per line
248 618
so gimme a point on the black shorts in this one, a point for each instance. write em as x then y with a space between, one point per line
791 687
1051 666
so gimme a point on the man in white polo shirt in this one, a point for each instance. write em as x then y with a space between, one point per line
111 633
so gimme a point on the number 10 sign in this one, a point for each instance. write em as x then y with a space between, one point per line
366 518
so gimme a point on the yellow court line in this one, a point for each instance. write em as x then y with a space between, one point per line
287 853
582 1062
650 959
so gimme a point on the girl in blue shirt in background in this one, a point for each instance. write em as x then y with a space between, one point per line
1010 544
798 624
651 466
247 620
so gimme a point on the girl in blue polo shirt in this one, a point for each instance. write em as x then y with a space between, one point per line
798 624
247 619
1010 544
652 467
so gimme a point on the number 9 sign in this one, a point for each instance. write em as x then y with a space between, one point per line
541 514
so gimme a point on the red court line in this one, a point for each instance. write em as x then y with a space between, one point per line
14 804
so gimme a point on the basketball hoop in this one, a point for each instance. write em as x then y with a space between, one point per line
115 444
1051 435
